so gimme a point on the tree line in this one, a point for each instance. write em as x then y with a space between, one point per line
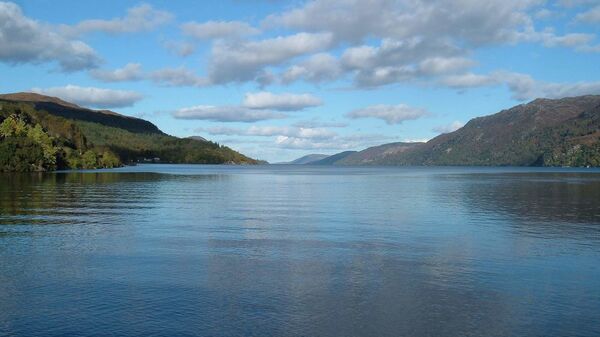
32 140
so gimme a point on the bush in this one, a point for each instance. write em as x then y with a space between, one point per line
21 154
89 160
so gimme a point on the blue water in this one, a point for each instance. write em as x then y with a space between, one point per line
185 250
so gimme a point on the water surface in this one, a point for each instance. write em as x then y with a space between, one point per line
185 250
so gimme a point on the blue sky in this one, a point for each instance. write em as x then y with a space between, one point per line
280 79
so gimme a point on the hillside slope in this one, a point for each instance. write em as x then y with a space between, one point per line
34 140
545 132
308 159
74 130
58 107
378 155
331 160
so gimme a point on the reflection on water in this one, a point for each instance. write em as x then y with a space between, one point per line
300 251
547 199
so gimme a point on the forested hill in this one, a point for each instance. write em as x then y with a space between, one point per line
40 133
544 132
58 107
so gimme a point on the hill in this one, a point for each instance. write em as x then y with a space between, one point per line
544 132
330 160
58 107
198 138
308 159
40 133
378 154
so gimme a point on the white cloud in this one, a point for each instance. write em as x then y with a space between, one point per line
317 68
305 144
575 3
225 114
298 138
92 97
23 40
543 13
471 21
549 39
347 20
181 48
245 61
281 102
590 16
401 60
178 77
522 86
417 39
256 107
448 127
218 29
272 131
445 65
317 123
338 143
468 80
130 72
138 19
415 140
391 114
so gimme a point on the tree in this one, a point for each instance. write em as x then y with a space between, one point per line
21 154
109 160
38 135
13 126
89 160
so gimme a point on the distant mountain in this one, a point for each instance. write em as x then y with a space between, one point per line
545 132
41 133
306 159
331 160
377 154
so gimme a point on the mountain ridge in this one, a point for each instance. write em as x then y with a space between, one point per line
307 159
43 133
543 132
329 160
57 106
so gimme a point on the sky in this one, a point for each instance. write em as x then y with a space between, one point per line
277 80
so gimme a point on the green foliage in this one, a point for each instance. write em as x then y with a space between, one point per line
13 126
32 140
132 147
39 136
60 143
25 147
107 118
109 160
89 160
574 143
21 154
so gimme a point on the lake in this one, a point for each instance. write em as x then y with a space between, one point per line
190 250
